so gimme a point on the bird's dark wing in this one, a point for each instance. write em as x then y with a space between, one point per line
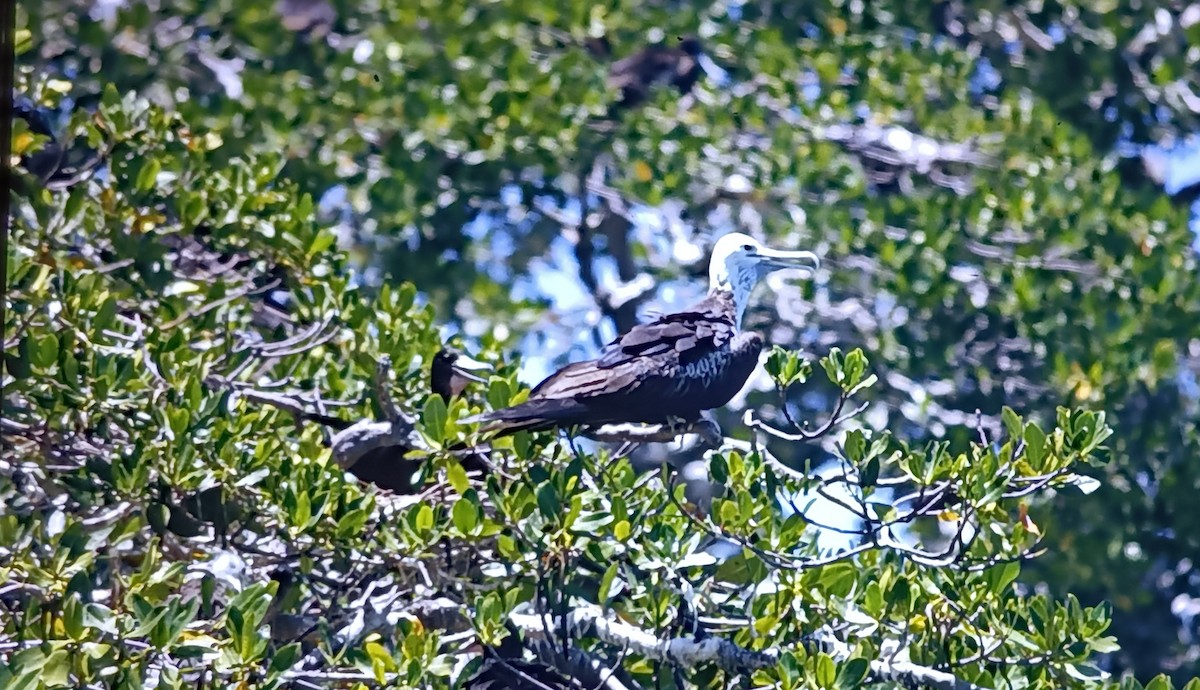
689 334
650 350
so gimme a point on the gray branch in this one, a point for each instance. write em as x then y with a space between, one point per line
689 652
707 429
681 651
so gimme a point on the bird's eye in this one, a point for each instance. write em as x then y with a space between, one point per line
748 247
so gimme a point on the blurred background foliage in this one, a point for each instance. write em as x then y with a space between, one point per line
1003 194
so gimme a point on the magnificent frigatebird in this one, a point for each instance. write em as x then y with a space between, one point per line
386 467
636 75
58 164
666 371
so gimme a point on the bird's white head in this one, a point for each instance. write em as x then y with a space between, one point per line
739 261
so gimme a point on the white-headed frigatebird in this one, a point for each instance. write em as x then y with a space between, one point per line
667 371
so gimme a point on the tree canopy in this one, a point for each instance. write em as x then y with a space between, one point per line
241 234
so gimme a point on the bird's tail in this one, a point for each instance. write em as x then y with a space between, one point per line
533 415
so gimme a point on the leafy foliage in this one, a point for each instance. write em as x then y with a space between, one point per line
975 318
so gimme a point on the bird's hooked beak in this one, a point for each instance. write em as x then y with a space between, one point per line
464 366
777 259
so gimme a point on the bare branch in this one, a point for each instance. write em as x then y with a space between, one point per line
705 428
689 652
750 420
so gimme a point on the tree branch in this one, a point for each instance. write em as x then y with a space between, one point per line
708 431
686 651
689 652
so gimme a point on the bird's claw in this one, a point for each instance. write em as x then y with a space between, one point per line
678 425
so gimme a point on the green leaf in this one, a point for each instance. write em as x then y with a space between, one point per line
717 469
303 512
606 582
57 669
873 599
621 530
832 364
855 445
899 596
457 476
1035 446
148 175
825 670
854 366
866 383
46 352
870 473
1001 576
464 516
548 502
352 523
433 418
1012 422
304 209
284 658
322 240
424 520
776 361
72 617
852 673
499 394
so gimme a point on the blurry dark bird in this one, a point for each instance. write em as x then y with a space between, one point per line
637 75
505 668
57 164
201 258
449 373
666 371
517 674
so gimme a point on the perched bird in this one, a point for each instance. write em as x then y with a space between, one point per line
450 372
498 673
636 75
669 370
58 164
386 467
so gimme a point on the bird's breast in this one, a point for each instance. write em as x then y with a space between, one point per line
706 369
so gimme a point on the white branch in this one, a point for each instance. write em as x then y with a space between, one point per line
682 651
688 652
706 429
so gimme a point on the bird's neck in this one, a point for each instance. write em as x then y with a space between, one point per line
735 289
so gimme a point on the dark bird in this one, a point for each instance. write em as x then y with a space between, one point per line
637 75
57 164
386 467
451 371
669 370
517 674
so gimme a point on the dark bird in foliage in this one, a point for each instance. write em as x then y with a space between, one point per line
387 468
451 371
56 165
667 371
517 674
637 75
